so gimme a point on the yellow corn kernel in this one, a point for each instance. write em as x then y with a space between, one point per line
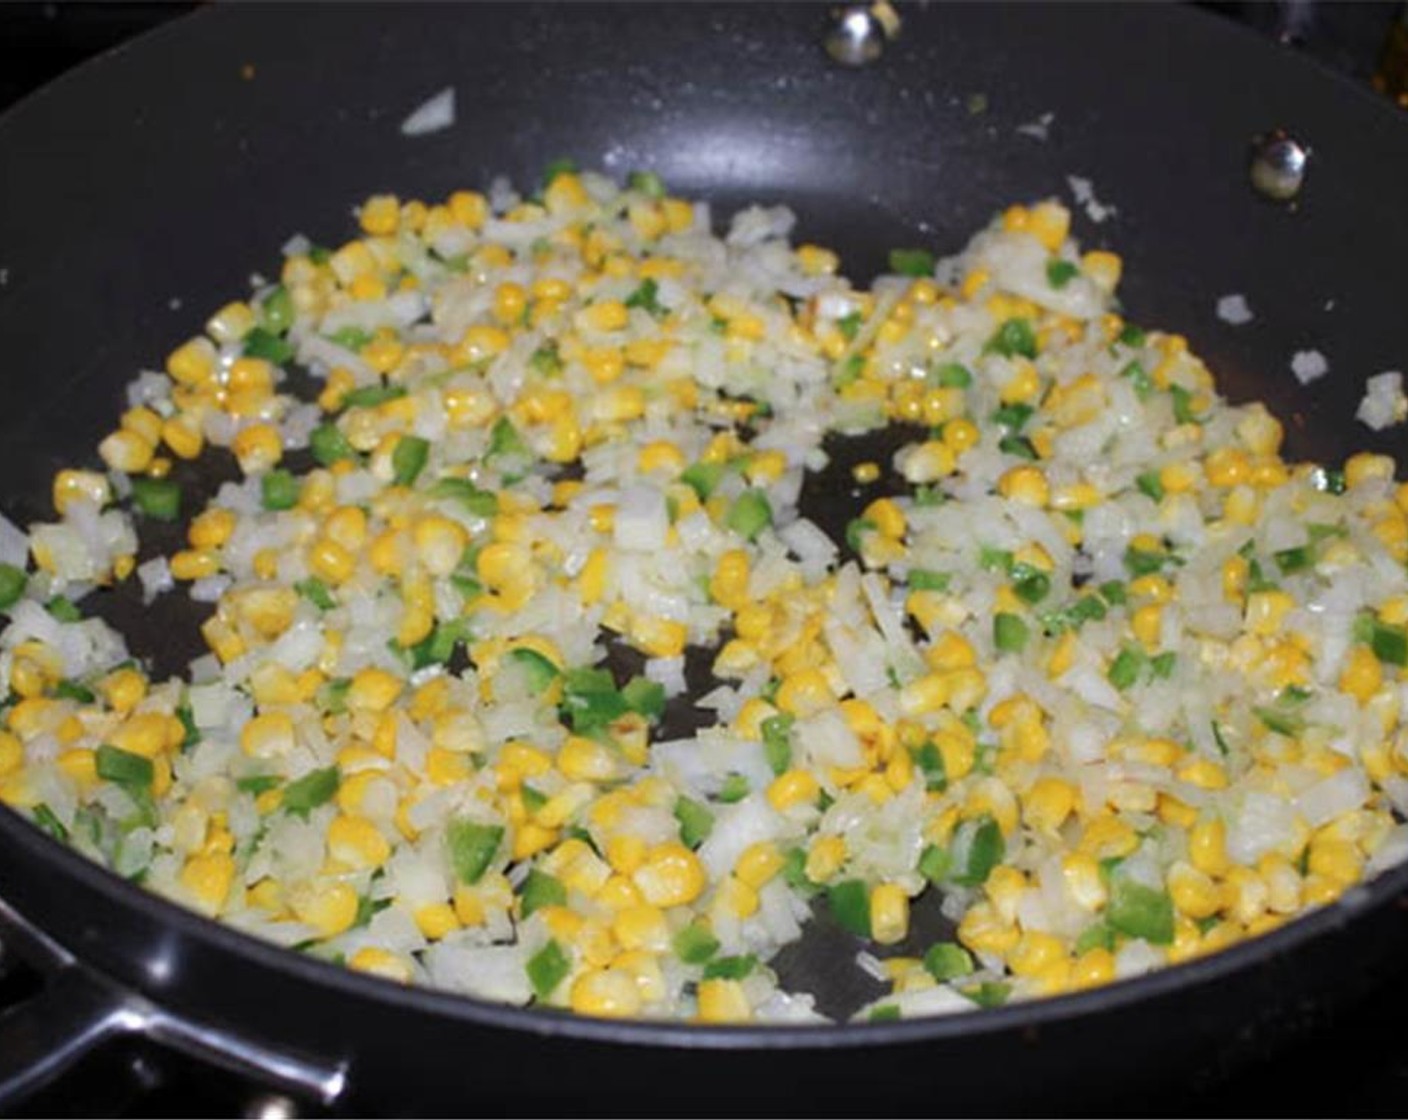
586 760
1265 611
887 517
795 787
257 447
1103 268
816 261
1108 837
1362 674
373 690
330 908
440 543
1194 892
607 315
123 689
87 486
670 876
356 842
723 1001
1025 485
1049 223
1207 847
758 864
1203 773
1035 953
126 450
145 733
983 931
641 927
804 692
193 362
609 993
889 914
736 898
1147 623
825 858
925 694
231 323
381 962
268 735
1336 860
1048 803
207 880
1093 968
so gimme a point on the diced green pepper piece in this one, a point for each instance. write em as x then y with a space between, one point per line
647 183
953 375
1125 668
472 848
849 325
695 944
46 819
1139 911
644 696
885 1013
646 297
912 262
1009 632
279 490
316 592
13 581
978 847
1030 583
1132 336
563 165
65 610
735 788
538 669
703 478
945 960
1390 643
350 338
730 968
313 789
696 822
1149 483
329 445
777 742
750 514
481 503
1015 336
256 784
265 344
505 440
923 579
931 761
158 498
990 993
540 889
1060 273
369 396
1098 935
123 767
277 310
547 968
849 902
935 863
409 459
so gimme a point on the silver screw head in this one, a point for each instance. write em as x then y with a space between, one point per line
856 38
270 1106
1278 165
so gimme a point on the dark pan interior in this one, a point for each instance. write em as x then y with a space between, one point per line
139 194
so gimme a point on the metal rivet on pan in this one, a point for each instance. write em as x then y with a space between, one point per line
859 31
270 1106
1278 165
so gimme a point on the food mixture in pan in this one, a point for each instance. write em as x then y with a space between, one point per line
1090 661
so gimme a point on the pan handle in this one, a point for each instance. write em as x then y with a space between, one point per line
78 1010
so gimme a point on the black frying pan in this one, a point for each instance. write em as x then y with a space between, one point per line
175 167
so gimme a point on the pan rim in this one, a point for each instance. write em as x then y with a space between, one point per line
472 1011
53 856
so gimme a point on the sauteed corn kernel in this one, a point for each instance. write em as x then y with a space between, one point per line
1090 659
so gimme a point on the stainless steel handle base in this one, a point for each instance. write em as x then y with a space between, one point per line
78 1010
